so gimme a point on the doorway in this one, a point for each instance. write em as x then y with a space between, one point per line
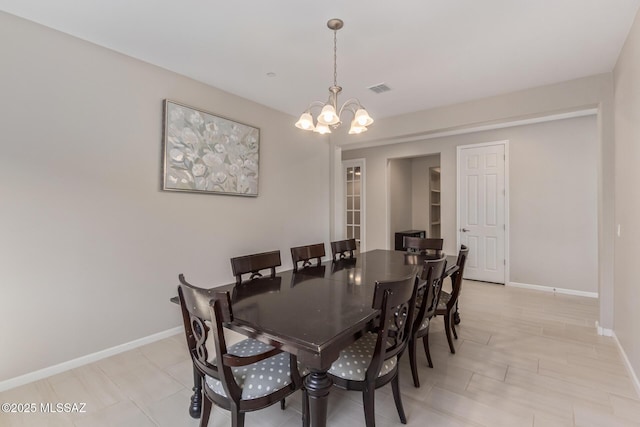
414 196
483 209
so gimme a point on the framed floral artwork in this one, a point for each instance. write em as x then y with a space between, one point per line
205 153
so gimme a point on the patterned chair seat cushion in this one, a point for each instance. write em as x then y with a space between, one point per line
355 359
424 325
259 379
444 300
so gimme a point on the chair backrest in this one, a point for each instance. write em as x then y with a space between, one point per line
340 248
305 254
396 300
456 278
423 246
430 283
196 316
254 263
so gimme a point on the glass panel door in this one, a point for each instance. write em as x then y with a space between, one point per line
354 194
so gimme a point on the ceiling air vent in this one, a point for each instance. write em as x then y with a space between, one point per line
379 88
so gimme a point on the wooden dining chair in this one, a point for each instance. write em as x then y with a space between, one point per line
429 283
307 253
424 246
254 263
340 248
229 380
448 301
372 361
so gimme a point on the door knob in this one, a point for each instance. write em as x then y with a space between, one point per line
464 230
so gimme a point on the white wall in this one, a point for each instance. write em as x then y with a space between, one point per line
627 247
90 247
553 198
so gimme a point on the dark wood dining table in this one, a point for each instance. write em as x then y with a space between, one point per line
315 312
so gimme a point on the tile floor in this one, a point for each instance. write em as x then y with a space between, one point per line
524 358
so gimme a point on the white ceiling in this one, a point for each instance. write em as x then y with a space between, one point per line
429 52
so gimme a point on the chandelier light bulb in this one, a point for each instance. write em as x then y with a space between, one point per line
328 115
322 129
362 117
305 122
356 128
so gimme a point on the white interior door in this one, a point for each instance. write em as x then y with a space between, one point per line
482 210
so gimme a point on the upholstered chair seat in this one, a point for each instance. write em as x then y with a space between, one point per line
258 379
445 297
424 325
355 359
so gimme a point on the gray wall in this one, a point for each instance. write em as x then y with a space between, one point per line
627 127
553 197
90 247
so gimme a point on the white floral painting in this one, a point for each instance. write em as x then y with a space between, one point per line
207 153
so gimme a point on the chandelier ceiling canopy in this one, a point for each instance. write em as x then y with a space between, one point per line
329 117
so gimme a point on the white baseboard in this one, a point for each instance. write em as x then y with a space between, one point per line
84 360
554 290
627 364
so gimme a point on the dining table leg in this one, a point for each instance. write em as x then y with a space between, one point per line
318 384
195 408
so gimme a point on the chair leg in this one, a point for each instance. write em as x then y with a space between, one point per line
306 421
452 322
395 386
425 344
369 399
206 412
282 404
447 329
412 362
237 418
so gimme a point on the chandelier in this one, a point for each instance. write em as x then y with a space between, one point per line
329 117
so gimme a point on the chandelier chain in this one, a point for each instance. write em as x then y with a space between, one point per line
335 57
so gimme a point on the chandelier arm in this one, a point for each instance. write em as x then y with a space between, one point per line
349 103
313 105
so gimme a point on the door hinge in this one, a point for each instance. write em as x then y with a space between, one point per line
504 262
